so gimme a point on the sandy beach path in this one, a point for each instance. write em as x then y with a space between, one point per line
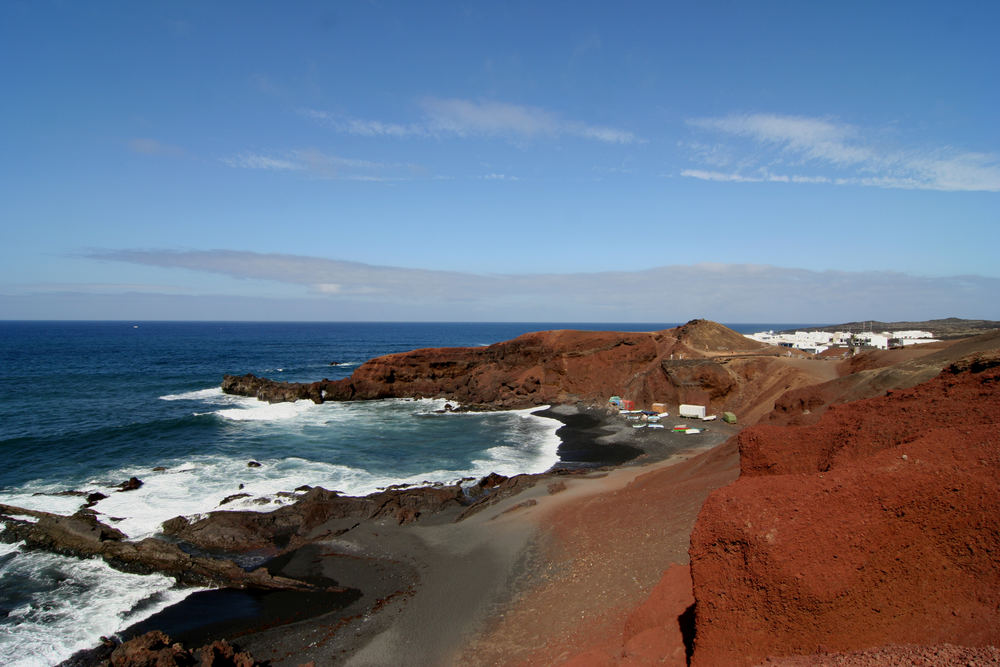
603 544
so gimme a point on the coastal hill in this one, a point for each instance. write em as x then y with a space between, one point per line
700 362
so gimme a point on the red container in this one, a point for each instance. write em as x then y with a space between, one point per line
627 405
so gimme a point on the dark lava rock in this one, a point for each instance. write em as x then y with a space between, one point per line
235 496
94 498
132 484
237 532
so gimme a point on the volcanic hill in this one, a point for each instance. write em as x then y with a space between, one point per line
700 362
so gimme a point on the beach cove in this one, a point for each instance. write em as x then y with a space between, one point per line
142 400
601 556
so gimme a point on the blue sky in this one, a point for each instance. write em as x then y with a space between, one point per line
577 161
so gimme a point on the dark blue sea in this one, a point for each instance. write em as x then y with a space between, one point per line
85 406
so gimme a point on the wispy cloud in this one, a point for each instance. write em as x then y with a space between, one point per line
364 128
761 176
323 165
248 160
821 150
147 146
465 118
726 292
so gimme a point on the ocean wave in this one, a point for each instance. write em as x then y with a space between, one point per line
60 605
10 548
356 448
196 395
260 411
200 485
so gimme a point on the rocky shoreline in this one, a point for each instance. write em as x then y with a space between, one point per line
870 479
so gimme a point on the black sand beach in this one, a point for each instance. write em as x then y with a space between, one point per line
415 592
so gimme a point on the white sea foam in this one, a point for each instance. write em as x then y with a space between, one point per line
261 411
9 549
200 484
44 497
81 601
537 454
197 395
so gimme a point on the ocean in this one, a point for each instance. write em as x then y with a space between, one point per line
84 406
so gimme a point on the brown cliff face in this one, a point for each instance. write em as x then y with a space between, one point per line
878 524
701 362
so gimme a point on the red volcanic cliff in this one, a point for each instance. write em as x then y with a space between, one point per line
879 524
700 362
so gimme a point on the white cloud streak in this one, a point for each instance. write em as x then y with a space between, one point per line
248 160
147 146
468 118
845 154
323 165
725 292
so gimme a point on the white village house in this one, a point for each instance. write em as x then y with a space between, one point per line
816 342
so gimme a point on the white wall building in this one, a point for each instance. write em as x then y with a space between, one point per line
818 341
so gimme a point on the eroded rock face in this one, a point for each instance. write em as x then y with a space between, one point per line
878 524
698 362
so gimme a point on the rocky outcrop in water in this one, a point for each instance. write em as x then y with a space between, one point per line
879 524
83 536
293 525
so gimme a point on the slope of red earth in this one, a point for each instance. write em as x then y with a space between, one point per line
879 524
614 586
871 373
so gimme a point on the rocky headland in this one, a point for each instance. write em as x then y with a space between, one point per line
700 362
855 514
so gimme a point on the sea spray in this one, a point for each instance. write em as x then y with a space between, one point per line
57 605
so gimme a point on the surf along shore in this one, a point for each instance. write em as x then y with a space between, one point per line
419 591
429 587
374 549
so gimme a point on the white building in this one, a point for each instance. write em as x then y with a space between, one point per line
818 341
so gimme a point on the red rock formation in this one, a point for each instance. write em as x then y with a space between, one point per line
700 362
880 524
155 649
